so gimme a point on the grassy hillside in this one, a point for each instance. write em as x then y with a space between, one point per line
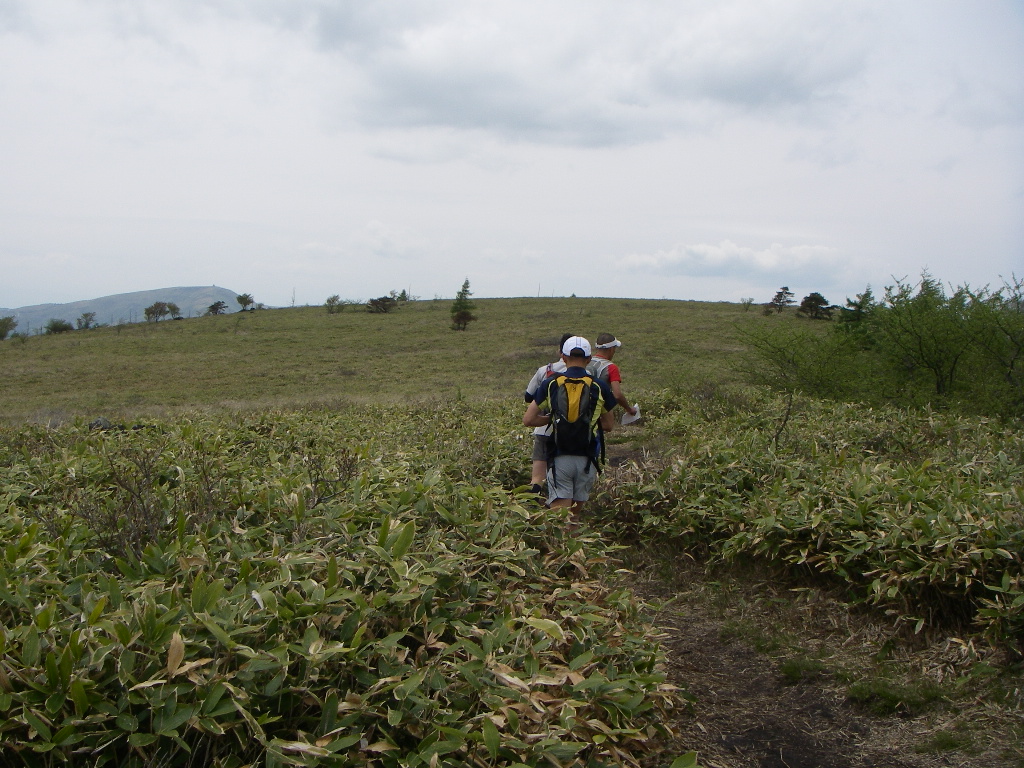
297 356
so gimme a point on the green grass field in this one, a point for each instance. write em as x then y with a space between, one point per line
300 356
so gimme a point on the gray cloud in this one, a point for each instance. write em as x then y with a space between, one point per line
761 57
580 73
634 75
588 74
699 149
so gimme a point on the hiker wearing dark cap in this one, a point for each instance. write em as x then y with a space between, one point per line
602 367
572 464
539 457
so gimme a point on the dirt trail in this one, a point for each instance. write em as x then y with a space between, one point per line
747 715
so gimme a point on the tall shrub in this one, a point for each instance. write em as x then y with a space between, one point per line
918 345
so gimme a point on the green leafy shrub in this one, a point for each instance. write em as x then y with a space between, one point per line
920 513
919 345
56 325
382 304
305 588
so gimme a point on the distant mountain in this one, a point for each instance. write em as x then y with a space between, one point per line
123 307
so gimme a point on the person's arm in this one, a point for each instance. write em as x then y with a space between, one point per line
607 417
621 398
531 388
535 417
615 380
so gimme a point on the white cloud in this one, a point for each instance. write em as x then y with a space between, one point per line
728 258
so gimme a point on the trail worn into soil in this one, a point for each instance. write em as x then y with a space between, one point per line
747 715
744 715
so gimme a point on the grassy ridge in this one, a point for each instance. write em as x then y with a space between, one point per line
291 357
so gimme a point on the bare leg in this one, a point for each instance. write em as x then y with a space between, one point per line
574 507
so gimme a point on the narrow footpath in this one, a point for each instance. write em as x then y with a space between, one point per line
752 711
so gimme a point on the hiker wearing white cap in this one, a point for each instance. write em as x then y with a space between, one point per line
539 467
575 404
602 367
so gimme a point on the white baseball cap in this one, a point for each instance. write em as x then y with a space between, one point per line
574 343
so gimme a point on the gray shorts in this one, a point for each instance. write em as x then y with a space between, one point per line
540 447
571 479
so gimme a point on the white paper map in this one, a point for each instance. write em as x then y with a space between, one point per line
627 419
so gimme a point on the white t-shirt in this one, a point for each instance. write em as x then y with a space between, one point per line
538 378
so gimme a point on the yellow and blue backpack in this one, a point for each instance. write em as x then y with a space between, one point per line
573 403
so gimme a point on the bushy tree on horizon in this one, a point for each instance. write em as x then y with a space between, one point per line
7 326
859 307
245 300
783 298
156 311
923 329
815 306
56 325
382 304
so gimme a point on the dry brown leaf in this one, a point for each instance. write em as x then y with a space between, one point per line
175 653
184 669
147 684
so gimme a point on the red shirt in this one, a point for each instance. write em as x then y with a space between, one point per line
613 371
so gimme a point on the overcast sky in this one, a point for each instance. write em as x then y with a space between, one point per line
689 149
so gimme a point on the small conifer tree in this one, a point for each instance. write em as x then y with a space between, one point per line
462 308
